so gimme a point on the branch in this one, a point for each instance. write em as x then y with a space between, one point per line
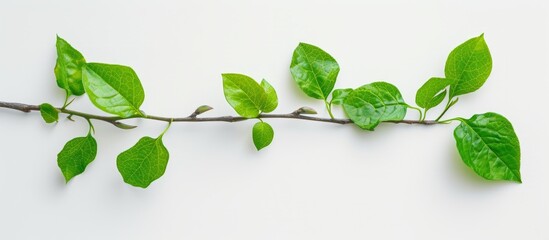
115 120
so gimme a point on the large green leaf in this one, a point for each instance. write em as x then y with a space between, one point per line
114 89
49 113
271 99
68 69
431 93
143 163
373 103
244 94
469 65
488 144
76 155
314 70
262 134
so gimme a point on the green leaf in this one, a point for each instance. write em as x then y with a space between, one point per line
314 70
488 144
373 103
68 69
339 95
262 134
244 94
49 113
431 93
271 99
143 163
76 155
114 89
469 65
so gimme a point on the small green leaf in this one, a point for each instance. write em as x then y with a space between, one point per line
469 65
114 89
49 113
143 163
373 103
488 144
314 70
76 155
271 99
339 95
432 92
244 94
68 69
262 134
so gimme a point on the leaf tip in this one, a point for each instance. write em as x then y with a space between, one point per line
303 44
67 179
518 179
258 148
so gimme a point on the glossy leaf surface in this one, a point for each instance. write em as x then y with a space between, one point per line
314 70
487 143
339 95
114 89
373 103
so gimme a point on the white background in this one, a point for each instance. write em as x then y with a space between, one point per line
316 180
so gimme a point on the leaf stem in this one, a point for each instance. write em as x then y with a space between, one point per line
65 104
167 127
92 128
448 106
421 117
450 120
329 108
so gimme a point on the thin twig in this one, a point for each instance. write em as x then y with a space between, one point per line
115 120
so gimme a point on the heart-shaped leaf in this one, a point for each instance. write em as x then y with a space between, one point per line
244 94
143 163
373 103
76 155
114 89
262 134
314 70
68 68
488 144
469 65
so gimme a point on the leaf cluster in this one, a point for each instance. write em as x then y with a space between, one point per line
486 142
